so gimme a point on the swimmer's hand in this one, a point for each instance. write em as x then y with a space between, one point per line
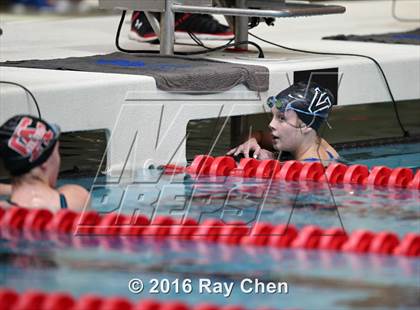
245 148
264 154
251 146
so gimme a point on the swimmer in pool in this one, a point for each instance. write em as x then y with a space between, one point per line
29 148
298 112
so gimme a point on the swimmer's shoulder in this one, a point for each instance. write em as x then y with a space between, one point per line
330 149
76 196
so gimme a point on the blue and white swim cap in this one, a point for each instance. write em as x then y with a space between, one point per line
311 102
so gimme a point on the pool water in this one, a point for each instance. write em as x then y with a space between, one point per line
390 155
236 199
315 279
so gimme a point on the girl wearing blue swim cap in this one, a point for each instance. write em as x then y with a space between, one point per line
298 112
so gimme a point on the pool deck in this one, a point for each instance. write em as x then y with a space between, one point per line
85 100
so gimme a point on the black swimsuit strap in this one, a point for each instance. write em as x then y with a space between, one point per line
63 202
10 202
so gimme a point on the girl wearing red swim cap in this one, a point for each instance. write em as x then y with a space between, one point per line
29 148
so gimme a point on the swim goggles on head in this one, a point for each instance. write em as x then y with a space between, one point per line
273 101
313 117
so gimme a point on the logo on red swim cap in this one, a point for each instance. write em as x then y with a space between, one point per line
29 140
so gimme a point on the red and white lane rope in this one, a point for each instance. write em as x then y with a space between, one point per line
35 299
36 222
335 173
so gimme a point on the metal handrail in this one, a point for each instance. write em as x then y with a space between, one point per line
309 10
241 12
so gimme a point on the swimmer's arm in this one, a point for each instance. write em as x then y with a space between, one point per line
5 190
78 198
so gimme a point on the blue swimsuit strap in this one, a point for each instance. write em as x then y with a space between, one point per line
330 155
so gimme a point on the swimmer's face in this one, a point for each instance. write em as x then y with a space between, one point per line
286 134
